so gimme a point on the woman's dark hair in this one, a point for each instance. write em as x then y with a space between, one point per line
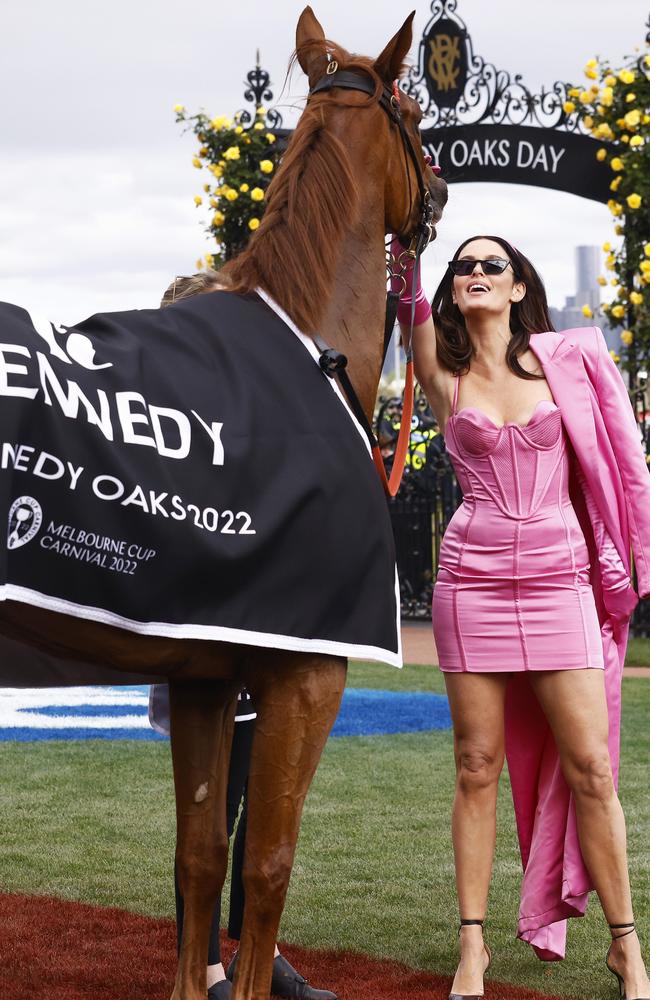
530 315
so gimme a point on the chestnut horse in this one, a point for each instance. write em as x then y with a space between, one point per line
345 181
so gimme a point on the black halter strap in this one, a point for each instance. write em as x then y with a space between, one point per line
389 101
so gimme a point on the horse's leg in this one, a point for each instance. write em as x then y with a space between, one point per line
297 698
202 719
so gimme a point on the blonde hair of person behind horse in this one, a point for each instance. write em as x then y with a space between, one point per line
194 284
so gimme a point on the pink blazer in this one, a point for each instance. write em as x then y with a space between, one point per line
611 494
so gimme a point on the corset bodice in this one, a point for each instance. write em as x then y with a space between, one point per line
520 469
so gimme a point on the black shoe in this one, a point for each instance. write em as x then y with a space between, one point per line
473 996
290 985
287 983
220 990
627 929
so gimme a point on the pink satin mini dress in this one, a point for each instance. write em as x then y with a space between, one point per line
512 591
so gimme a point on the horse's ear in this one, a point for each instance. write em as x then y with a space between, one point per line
311 48
389 64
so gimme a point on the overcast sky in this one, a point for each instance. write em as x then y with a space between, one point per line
96 181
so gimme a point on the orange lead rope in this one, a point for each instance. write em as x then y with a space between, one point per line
392 485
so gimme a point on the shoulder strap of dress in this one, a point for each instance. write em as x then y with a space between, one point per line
454 404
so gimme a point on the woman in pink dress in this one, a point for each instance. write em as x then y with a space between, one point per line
533 597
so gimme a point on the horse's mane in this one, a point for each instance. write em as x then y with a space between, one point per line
311 203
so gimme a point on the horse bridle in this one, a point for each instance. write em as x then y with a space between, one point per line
333 362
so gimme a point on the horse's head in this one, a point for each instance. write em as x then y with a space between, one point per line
370 113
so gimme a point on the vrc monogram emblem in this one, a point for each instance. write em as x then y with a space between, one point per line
444 61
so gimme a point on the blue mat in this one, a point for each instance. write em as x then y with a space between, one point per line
107 713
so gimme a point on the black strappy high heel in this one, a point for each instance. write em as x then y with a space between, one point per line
627 929
472 996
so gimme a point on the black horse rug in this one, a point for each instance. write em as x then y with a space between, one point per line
188 472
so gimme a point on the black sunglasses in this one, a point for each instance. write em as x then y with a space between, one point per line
494 265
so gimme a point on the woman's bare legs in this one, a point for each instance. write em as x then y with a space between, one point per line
477 710
574 704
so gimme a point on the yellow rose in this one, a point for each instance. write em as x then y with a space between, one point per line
196 162
629 98
588 120
647 60
586 311
258 126
198 200
179 109
257 194
216 170
607 97
245 188
266 166
614 284
574 92
633 201
618 230
601 281
569 107
591 74
604 131
214 203
644 266
605 307
616 183
209 260
591 63
231 194
199 264
238 130
636 140
627 76
253 224
232 153
610 80
636 298
218 219
607 247
206 188
614 207
618 311
633 118
646 249
627 337
260 111
585 97
220 123
610 261
615 358
601 154
617 164
625 137
270 137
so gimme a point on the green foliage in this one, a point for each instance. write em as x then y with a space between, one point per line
616 109
241 161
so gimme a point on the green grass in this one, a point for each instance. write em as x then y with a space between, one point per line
638 652
374 873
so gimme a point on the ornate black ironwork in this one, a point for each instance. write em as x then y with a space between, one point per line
455 87
258 91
